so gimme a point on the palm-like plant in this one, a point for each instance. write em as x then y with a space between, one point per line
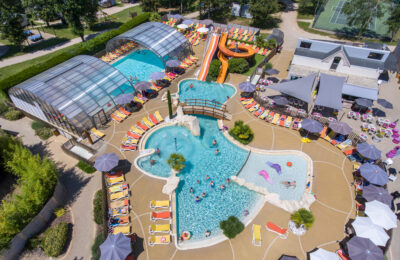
303 217
242 132
176 161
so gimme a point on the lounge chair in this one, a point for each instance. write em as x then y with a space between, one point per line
159 240
121 211
282 232
259 111
296 124
117 188
159 204
153 119
124 111
128 147
244 99
136 130
264 115
160 215
288 121
119 203
132 135
247 101
282 120
141 101
148 122
119 114
158 116
119 195
344 144
323 132
114 175
252 104
163 228
112 181
254 108
142 126
97 133
116 118
256 235
129 141
119 221
330 136
126 230
275 119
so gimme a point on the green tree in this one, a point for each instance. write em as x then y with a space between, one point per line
169 104
42 9
260 41
242 132
309 6
150 5
360 13
213 70
261 11
76 11
218 10
393 21
231 227
303 217
11 21
176 161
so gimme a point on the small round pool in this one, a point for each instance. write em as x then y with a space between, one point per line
205 90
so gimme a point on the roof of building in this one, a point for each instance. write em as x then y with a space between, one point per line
82 84
299 88
330 91
278 35
358 56
160 38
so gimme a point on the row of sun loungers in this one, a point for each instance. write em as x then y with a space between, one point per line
260 51
240 32
270 116
120 115
171 22
118 51
281 232
160 228
118 190
189 61
133 135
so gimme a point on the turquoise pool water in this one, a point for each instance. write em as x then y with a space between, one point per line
139 64
297 172
201 160
205 90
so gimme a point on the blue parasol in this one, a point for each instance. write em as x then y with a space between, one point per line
247 86
123 99
106 162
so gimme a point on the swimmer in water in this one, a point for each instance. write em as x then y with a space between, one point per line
135 78
191 85
207 233
246 212
191 190
207 177
212 184
214 142
158 151
197 199
152 162
228 180
222 187
198 181
217 152
203 194
289 184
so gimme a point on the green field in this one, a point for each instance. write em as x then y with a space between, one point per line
331 18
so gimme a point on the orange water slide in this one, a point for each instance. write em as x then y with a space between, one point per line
212 47
224 67
226 50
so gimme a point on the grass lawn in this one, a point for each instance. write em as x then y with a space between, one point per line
304 16
259 58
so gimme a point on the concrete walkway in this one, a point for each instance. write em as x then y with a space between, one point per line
29 56
80 187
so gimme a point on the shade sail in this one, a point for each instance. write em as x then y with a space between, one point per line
330 91
359 91
299 88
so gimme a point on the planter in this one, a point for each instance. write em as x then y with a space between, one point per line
298 231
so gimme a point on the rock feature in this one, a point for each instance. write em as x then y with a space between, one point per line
190 122
171 185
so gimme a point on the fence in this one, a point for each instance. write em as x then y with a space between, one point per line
38 224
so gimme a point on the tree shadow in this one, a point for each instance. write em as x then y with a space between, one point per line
73 181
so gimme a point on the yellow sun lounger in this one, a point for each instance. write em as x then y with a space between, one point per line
163 228
254 108
139 100
256 235
119 114
126 230
158 116
119 195
264 114
159 204
130 140
147 122
136 130
97 132
159 240
330 136
247 101
116 180
288 121
276 118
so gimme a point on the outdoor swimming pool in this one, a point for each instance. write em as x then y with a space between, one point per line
205 90
201 159
139 64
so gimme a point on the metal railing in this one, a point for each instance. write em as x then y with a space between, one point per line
206 107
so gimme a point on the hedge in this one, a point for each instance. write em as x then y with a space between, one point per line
37 179
84 166
54 239
98 207
96 246
231 227
213 70
238 65
88 47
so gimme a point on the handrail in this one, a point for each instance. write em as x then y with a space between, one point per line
241 168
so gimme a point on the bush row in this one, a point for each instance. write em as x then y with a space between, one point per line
238 65
54 239
98 207
213 70
88 47
37 179
84 166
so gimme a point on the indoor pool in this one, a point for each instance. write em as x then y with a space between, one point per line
296 172
202 160
205 90
139 64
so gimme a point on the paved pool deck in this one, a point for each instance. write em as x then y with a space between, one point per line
333 207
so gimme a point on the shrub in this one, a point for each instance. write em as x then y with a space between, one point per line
242 132
84 166
303 217
213 71
176 161
271 44
12 114
54 239
260 41
59 212
238 65
37 124
96 246
268 66
98 207
3 108
156 17
33 243
231 227
88 47
44 133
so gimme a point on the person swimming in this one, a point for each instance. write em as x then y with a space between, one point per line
214 142
158 151
228 180
222 187
246 212
152 162
217 152
135 78
289 184
191 190
207 233
198 181
197 199
212 184
204 194
207 177
191 85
